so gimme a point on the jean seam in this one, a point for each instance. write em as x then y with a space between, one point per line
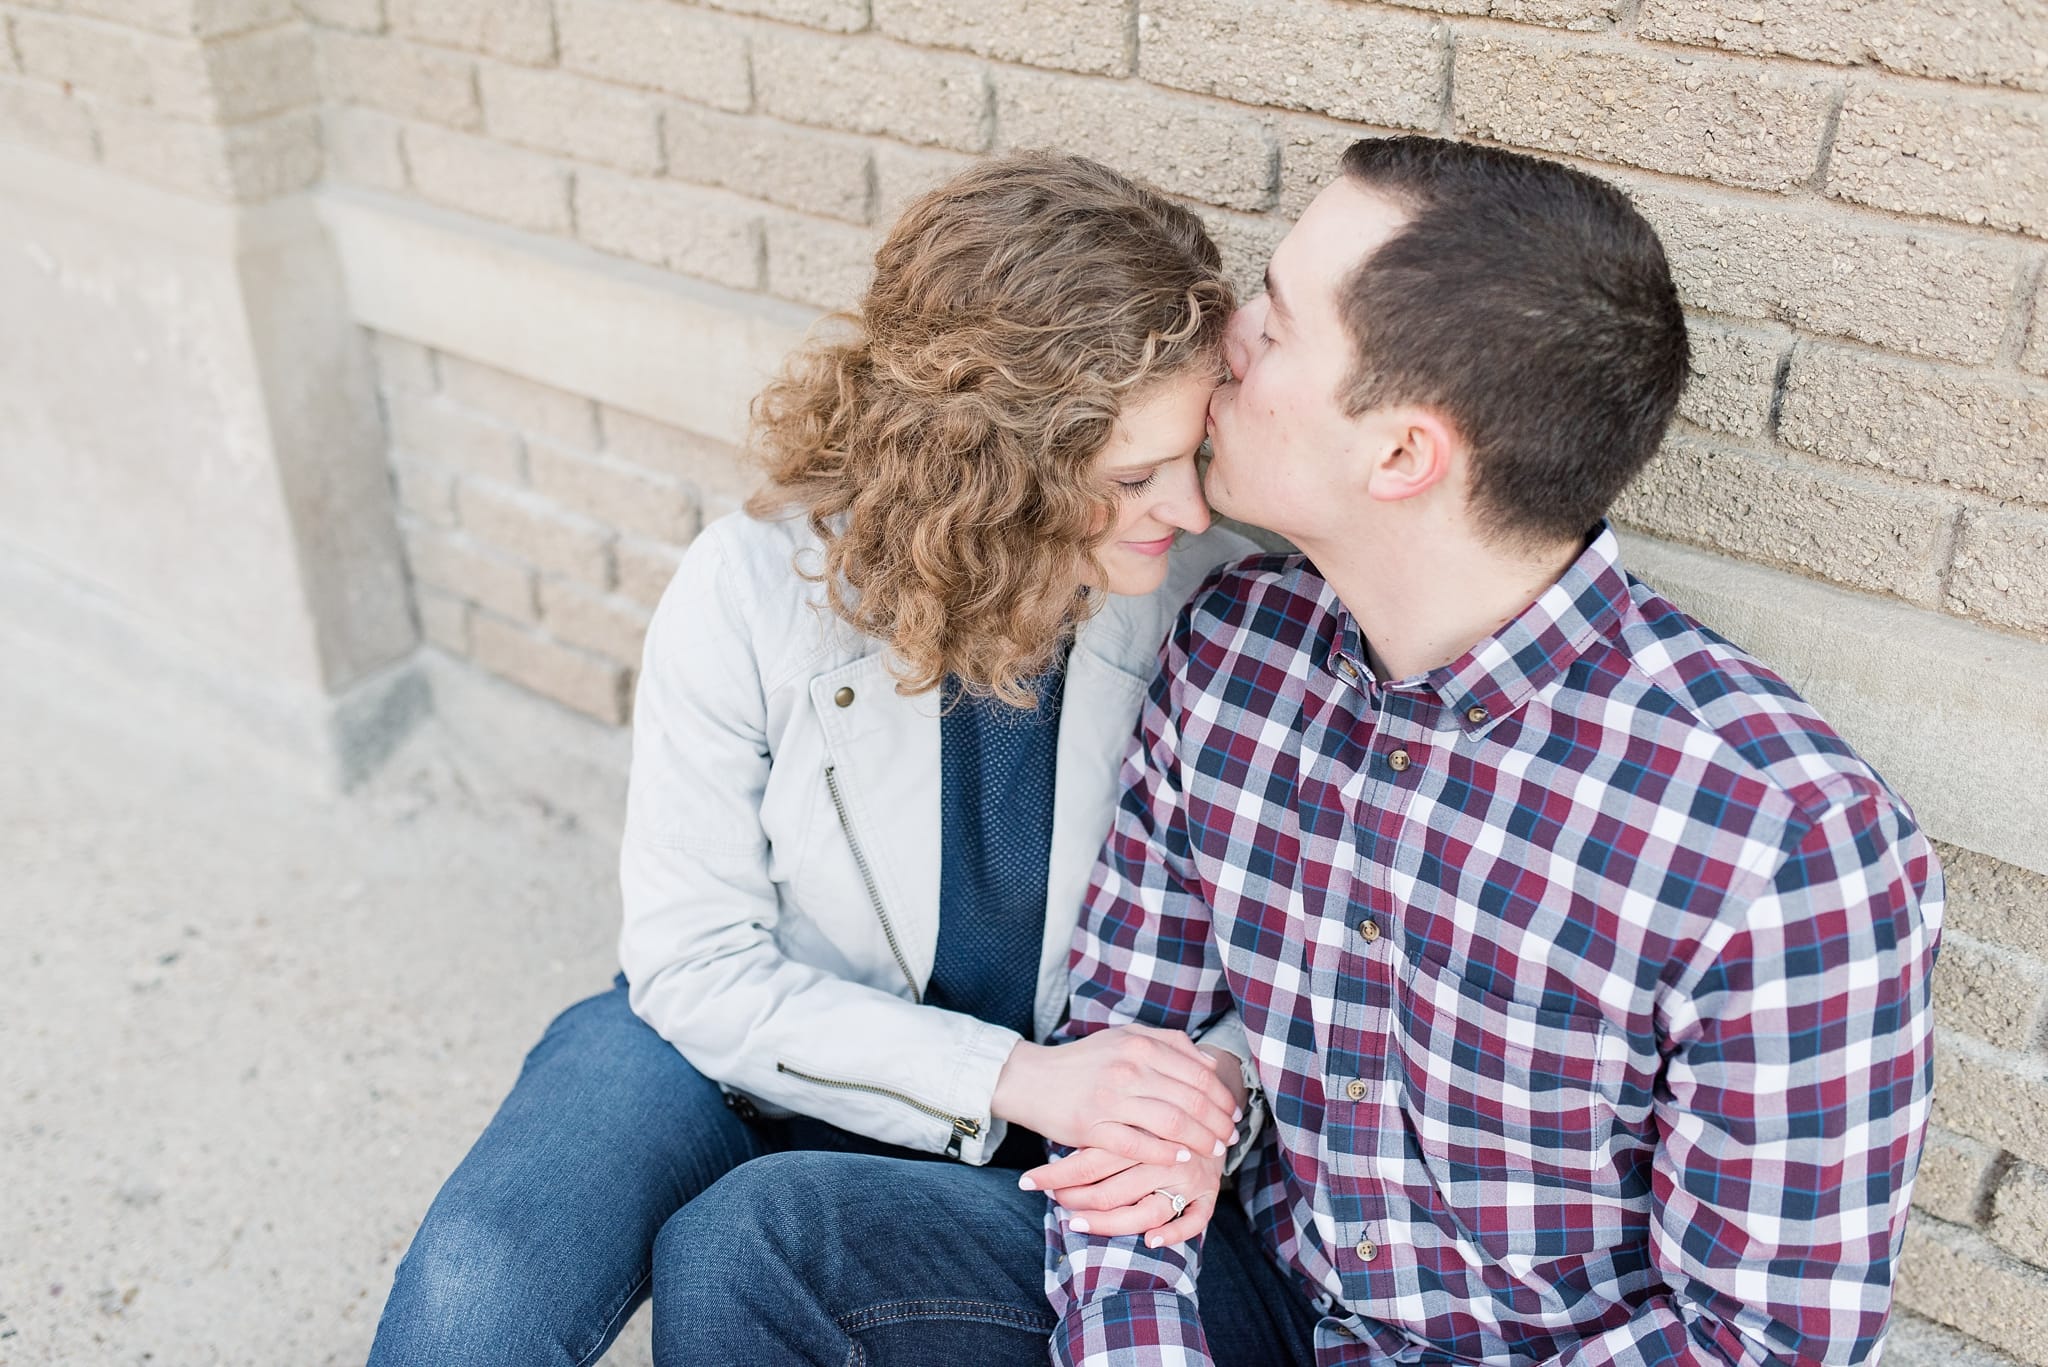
615 1323
989 1312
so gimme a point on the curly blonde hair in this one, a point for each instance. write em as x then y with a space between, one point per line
941 446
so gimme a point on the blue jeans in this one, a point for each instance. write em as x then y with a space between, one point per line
537 1248
844 1260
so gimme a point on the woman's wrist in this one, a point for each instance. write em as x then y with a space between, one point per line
1012 1099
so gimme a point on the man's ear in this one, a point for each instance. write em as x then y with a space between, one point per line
1416 452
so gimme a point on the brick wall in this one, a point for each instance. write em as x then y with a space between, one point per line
1855 199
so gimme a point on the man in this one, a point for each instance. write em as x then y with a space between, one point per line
1585 970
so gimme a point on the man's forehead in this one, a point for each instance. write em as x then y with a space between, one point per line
1339 227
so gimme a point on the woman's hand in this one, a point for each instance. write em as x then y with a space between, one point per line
1137 1093
1109 1195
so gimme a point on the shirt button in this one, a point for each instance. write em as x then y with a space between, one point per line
1476 715
1348 670
1398 761
844 697
1355 1089
1369 931
1367 1250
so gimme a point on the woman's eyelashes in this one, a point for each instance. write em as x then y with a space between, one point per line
1131 488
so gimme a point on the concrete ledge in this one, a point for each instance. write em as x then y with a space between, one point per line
99 652
660 345
1952 714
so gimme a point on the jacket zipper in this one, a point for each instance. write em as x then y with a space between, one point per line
867 876
964 1127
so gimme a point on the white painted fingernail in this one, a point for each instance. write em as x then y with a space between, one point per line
1027 1184
1233 1136
1151 1242
1080 1225
1236 1113
1220 1148
1181 1155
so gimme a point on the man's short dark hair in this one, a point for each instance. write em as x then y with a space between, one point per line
1532 306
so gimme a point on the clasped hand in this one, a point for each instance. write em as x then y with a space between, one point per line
1145 1111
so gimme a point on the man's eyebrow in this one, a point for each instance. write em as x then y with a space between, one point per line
1273 295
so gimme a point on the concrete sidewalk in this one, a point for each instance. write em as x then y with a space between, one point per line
248 1029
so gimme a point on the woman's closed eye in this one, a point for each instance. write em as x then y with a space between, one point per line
1131 488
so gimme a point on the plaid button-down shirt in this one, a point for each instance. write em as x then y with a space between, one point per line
1586 979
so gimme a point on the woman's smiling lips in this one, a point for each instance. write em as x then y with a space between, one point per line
1159 547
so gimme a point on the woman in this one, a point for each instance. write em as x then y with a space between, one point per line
875 751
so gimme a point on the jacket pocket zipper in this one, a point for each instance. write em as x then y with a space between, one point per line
964 1127
867 876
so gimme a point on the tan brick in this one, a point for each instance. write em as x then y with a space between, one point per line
1991 994
659 45
903 173
10 60
1183 145
1571 14
453 563
1912 1341
254 75
102 59
1329 56
489 179
1855 532
705 233
364 147
1247 242
1741 124
645 569
1957 1277
1978 159
819 173
817 261
426 426
516 30
44 117
1926 422
2001 1099
2035 357
1079 35
244 162
399 78
572 677
216 18
1954 1171
867 85
557 112
1311 152
402 364
615 494
1982 42
444 619
841 16
535 408
704 461
424 490
2019 1214
2001 569
360 16
610 625
532 529
1901 289
1734 375
1994 901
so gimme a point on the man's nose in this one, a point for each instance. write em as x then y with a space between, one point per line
1237 353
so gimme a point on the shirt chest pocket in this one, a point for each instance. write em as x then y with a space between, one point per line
1512 1112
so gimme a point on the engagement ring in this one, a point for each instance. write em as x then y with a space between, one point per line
1180 1202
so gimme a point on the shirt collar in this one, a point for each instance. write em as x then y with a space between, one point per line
1536 647
1533 650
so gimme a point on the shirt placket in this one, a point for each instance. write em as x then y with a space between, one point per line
1360 1085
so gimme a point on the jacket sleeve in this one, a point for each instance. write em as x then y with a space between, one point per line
698 943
